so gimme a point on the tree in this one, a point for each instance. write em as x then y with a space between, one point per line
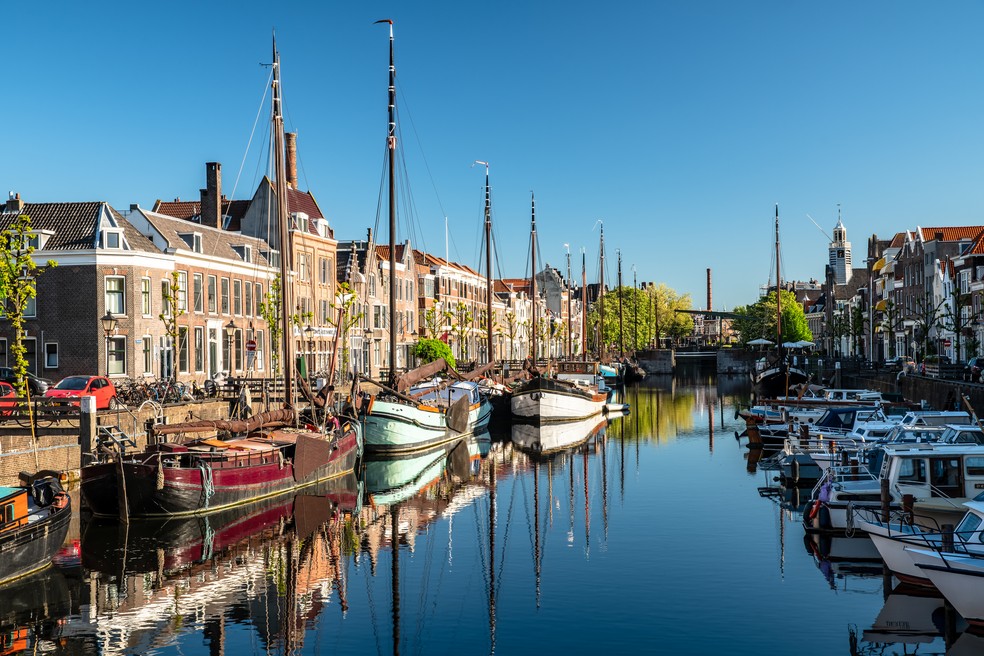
645 313
462 315
433 319
343 318
428 350
512 327
926 315
891 324
958 318
171 312
759 320
18 285
857 326
270 311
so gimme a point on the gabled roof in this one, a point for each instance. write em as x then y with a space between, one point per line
75 225
215 242
950 233
429 260
976 247
898 240
383 252
189 210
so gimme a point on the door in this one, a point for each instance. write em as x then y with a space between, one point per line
946 477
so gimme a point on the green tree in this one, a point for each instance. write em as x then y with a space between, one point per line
462 326
172 311
18 285
512 328
759 320
343 316
428 350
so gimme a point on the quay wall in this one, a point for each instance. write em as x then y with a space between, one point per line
937 393
735 361
660 361
61 451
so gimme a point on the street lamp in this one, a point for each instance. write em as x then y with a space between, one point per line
230 331
108 325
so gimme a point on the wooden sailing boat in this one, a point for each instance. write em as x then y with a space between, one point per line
264 455
415 410
774 379
542 399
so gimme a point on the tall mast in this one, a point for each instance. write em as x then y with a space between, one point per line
778 293
488 262
602 351
621 322
570 291
286 254
391 152
584 306
533 261
635 310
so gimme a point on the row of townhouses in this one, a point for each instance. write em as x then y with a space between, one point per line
917 294
103 308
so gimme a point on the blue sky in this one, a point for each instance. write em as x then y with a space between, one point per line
680 124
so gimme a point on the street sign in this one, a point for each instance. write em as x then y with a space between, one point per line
250 344
947 343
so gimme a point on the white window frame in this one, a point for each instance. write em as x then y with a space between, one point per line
48 352
121 292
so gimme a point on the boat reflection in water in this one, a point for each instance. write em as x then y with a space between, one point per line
31 609
917 618
277 562
405 494
547 439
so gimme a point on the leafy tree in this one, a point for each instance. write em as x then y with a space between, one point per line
858 325
512 327
343 316
759 320
645 313
172 311
18 285
428 350
270 310
463 317
433 319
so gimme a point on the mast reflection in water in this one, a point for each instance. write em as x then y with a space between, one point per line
642 534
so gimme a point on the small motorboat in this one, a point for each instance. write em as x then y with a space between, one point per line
33 525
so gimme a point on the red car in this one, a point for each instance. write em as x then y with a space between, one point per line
73 387
7 404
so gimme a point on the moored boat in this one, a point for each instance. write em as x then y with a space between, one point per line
33 525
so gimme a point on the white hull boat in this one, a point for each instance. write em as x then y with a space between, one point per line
544 400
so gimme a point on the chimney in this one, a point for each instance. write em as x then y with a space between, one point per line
212 196
709 307
14 203
290 139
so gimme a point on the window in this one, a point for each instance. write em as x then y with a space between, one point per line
237 297
112 238
302 266
974 465
372 284
114 295
259 297
31 307
183 291
183 349
50 355
324 311
193 239
248 301
165 298
239 349
197 296
912 471
259 351
211 294
145 292
323 271
225 296
117 356
148 357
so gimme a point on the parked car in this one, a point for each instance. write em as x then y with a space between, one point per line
900 363
36 386
74 387
7 403
975 366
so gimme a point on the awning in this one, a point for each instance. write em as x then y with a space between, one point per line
879 265
882 305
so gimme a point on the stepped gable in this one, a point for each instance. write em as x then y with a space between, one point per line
215 242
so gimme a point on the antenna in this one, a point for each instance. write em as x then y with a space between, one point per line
596 224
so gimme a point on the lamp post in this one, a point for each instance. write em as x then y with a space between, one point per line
309 336
108 326
230 331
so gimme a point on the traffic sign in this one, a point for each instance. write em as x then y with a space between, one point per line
250 344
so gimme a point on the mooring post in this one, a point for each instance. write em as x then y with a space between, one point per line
87 429
885 500
907 502
948 538
804 435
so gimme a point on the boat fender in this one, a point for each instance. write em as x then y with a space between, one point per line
60 500
372 399
814 509
536 396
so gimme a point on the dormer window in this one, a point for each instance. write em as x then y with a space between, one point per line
299 221
244 251
194 240
112 238
272 257
38 239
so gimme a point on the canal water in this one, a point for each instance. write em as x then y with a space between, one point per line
657 532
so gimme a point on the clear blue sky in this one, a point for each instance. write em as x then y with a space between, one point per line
680 124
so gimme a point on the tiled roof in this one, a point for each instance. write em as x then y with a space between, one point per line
898 240
950 233
215 242
75 225
190 210
383 252
427 259
977 246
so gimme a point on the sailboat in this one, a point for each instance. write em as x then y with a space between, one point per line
415 410
260 457
543 399
773 379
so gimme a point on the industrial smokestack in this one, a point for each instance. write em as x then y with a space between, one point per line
290 139
212 196
709 307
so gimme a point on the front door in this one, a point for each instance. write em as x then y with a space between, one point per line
946 477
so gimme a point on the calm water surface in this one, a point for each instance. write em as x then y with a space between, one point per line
646 535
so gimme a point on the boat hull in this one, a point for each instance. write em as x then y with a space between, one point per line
393 427
30 547
776 381
543 400
147 486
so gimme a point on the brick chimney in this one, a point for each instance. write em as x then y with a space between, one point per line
14 203
290 140
212 196
709 307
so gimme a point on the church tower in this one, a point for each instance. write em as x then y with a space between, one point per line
840 253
